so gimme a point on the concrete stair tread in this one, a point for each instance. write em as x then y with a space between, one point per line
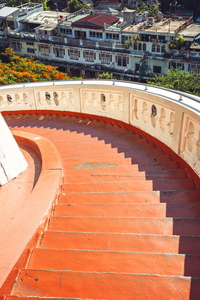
151 243
119 262
116 197
126 210
139 185
114 286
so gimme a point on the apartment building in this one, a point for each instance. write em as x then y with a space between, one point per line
130 45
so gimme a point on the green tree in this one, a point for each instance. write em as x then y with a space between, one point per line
142 7
75 5
106 76
177 43
180 80
153 11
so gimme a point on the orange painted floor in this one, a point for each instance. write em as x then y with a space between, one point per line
125 225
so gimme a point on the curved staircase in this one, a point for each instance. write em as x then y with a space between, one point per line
126 224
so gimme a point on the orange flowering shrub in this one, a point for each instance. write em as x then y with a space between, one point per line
26 69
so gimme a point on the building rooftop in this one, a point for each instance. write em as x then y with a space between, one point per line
45 17
97 20
6 11
190 31
163 26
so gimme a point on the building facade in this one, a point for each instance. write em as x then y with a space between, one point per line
130 45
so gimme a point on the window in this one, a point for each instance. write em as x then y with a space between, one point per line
163 49
137 67
157 69
153 48
74 54
66 31
44 50
176 65
158 48
17 46
122 61
144 47
97 35
105 58
29 44
89 56
59 52
112 36
194 68
30 50
140 46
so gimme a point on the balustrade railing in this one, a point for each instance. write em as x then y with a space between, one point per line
170 116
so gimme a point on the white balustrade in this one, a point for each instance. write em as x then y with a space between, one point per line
171 117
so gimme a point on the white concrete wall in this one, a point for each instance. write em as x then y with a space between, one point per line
12 162
176 123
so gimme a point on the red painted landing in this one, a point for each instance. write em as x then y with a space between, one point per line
126 223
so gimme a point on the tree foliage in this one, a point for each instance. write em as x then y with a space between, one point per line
105 75
177 43
180 80
152 11
75 5
16 69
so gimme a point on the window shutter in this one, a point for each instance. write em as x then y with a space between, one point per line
83 54
54 50
110 58
94 55
68 52
99 56
116 59
127 60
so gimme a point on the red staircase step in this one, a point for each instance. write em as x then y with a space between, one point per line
173 184
114 224
113 286
167 165
180 196
114 197
186 226
99 168
183 210
109 261
152 243
104 178
177 173
139 185
111 210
